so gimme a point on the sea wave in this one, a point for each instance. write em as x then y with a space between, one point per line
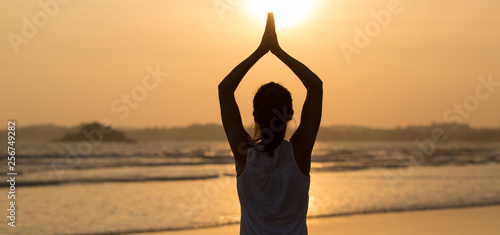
152 206
50 164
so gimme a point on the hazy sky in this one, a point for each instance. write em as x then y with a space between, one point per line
75 62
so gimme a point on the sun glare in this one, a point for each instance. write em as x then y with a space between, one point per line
287 13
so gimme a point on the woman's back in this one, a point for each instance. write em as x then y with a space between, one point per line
273 192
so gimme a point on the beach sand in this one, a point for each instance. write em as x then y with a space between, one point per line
477 220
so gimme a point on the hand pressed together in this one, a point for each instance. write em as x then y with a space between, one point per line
270 39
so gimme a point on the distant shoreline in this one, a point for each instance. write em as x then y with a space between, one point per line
215 132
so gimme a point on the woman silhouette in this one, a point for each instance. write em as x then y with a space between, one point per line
272 173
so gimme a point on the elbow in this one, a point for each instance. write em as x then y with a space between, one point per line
317 86
223 90
320 84
221 85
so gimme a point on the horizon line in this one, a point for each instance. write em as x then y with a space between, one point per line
219 124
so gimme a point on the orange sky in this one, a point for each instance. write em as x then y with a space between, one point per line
87 54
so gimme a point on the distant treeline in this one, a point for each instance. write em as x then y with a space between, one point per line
214 132
410 133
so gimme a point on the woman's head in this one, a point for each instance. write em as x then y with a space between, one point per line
272 110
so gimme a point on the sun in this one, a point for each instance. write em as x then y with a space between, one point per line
287 13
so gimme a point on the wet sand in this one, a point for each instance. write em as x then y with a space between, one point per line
477 220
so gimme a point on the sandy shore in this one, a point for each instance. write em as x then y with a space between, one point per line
478 220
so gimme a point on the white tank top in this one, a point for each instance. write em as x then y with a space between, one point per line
274 193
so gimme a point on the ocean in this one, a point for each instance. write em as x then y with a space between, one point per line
117 188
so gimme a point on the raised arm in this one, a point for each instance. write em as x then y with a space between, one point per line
231 117
304 137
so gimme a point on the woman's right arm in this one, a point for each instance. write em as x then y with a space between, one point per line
305 136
